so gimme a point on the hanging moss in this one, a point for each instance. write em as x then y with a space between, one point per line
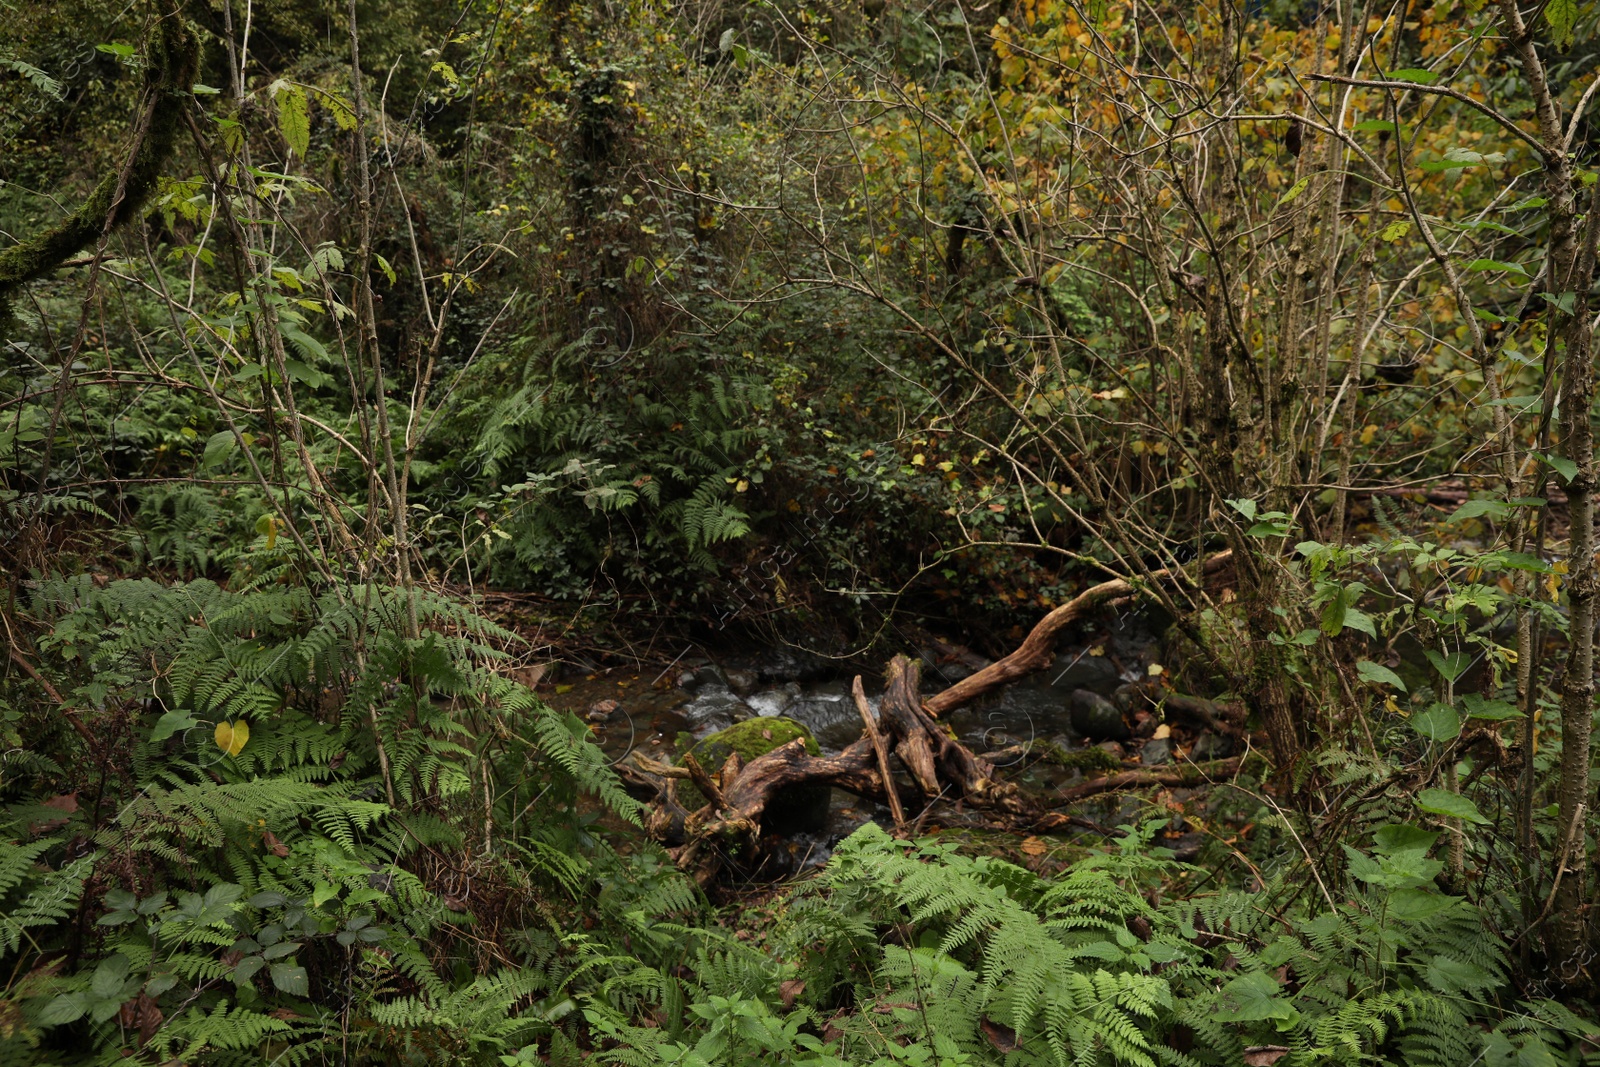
170 70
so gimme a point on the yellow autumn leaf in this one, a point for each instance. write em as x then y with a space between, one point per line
1552 582
918 460
230 737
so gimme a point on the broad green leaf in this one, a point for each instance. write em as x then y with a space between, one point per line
291 979
309 346
1437 722
1395 230
1434 166
246 969
1564 302
109 976
219 446
1497 264
1356 619
68 1007
1473 509
1453 805
1480 707
1378 674
294 117
448 73
171 723
1397 837
1561 15
1253 998
1374 126
1413 904
1405 868
1414 75
1563 466
1449 665
225 893
1516 561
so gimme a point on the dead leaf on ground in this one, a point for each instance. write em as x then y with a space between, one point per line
1001 1036
1264 1055
789 991
1034 846
66 803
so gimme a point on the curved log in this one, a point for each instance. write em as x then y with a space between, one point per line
1037 650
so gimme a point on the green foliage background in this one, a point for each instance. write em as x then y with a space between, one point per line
702 350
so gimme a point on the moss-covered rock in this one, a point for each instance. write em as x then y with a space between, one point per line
793 810
751 738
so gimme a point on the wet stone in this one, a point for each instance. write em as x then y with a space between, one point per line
1211 746
1155 752
1083 671
1096 718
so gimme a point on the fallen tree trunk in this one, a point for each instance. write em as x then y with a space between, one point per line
1038 649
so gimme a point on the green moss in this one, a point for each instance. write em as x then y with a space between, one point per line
1083 759
797 808
170 70
751 738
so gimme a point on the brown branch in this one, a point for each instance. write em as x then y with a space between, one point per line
1036 651
1187 775
68 711
881 751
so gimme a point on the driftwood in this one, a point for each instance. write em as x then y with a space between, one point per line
1037 650
726 831
728 827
